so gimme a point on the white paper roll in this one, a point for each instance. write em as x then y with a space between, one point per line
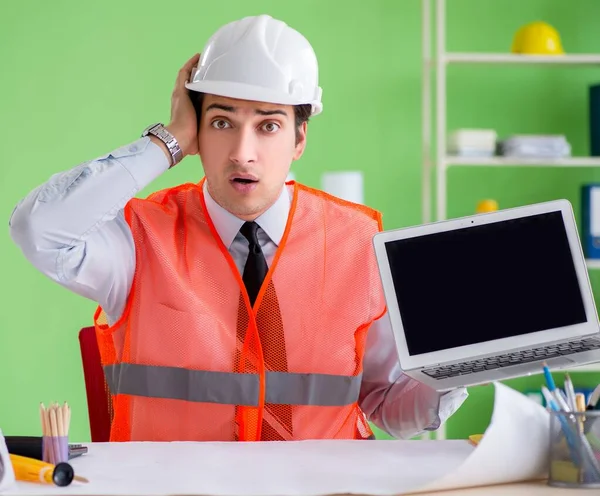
7 474
347 185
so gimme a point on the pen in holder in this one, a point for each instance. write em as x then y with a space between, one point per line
55 422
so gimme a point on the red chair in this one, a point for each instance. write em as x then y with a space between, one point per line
99 402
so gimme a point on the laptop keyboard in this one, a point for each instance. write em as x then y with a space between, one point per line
509 359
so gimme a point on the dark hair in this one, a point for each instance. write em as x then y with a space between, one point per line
301 112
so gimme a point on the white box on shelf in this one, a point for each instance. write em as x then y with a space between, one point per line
472 142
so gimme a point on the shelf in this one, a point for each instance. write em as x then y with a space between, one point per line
522 162
509 58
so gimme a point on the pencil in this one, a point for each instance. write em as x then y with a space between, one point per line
42 410
548 377
60 422
67 417
44 422
594 397
570 392
62 446
580 403
54 430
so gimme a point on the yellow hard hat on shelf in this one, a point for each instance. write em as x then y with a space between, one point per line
487 205
537 38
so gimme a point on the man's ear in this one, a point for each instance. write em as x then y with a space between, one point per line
198 140
300 140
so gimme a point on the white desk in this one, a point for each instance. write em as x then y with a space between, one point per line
522 489
291 469
518 489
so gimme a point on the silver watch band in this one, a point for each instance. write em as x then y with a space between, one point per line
168 139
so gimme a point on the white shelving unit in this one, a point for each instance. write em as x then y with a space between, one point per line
441 162
522 162
509 58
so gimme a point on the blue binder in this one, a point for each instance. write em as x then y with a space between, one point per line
594 119
590 220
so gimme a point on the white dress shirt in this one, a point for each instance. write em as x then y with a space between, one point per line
73 230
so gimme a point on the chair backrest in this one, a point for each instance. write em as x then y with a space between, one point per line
98 397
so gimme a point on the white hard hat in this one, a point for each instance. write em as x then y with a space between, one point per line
260 59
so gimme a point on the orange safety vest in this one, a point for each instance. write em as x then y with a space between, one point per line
176 364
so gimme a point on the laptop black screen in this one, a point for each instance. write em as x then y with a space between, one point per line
485 282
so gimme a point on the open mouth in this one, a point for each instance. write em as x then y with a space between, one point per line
244 183
242 180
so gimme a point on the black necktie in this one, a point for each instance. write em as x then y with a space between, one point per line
256 267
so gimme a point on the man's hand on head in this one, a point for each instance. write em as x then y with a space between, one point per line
184 123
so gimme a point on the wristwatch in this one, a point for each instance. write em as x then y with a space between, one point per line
168 139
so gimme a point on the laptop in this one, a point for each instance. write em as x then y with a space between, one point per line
490 296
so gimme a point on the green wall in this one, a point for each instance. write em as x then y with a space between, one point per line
79 79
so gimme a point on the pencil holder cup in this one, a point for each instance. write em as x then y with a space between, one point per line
55 449
574 459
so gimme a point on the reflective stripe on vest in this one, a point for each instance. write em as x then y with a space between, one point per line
231 388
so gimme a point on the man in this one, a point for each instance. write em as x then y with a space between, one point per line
242 307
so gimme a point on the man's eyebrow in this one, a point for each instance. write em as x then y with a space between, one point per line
229 108
219 106
270 112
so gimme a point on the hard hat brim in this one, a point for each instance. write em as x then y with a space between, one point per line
243 91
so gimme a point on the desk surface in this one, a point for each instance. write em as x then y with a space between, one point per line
305 468
520 489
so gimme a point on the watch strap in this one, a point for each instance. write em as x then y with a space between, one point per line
168 139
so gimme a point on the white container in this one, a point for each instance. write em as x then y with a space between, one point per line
480 142
347 185
7 474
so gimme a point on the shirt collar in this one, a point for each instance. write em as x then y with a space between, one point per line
227 225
